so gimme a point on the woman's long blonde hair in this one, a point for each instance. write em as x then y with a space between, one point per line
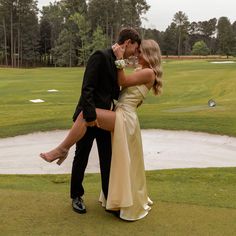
152 55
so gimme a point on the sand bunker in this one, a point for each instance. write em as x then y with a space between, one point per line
162 150
222 62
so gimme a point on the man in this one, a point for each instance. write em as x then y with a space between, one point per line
99 88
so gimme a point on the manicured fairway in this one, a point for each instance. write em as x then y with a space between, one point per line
20 116
188 85
186 202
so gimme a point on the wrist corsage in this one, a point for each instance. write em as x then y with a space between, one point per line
120 64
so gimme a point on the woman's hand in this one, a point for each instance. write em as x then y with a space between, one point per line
118 51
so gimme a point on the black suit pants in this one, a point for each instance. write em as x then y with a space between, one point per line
83 148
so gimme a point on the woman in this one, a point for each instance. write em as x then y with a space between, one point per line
127 184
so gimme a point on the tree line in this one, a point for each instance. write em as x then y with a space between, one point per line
210 37
66 32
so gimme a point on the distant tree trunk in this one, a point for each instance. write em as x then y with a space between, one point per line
112 35
12 41
21 52
14 54
5 41
83 53
34 60
18 41
18 49
179 42
70 54
107 28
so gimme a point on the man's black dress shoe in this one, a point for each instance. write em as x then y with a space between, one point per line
78 205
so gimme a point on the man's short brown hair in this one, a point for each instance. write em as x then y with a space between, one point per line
129 33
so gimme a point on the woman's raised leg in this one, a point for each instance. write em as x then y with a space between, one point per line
60 152
106 121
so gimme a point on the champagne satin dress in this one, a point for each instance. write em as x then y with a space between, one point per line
127 184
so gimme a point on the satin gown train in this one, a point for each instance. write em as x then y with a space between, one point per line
127 183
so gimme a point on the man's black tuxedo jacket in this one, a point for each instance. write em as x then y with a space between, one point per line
100 85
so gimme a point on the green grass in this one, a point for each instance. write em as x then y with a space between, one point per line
18 86
188 85
187 202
